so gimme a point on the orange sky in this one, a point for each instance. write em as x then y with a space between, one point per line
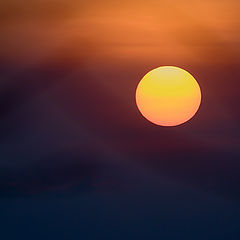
183 31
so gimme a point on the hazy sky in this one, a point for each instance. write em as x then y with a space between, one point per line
77 160
196 32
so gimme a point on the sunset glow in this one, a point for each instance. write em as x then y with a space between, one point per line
168 96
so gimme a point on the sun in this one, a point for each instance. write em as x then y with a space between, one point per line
168 96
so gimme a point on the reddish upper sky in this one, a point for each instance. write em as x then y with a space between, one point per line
183 31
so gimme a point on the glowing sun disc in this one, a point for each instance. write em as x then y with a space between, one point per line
168 96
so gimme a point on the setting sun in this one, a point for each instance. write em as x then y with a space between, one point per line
168 96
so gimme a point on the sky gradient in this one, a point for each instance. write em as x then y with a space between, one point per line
78 161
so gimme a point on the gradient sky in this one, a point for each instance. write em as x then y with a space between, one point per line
78 161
